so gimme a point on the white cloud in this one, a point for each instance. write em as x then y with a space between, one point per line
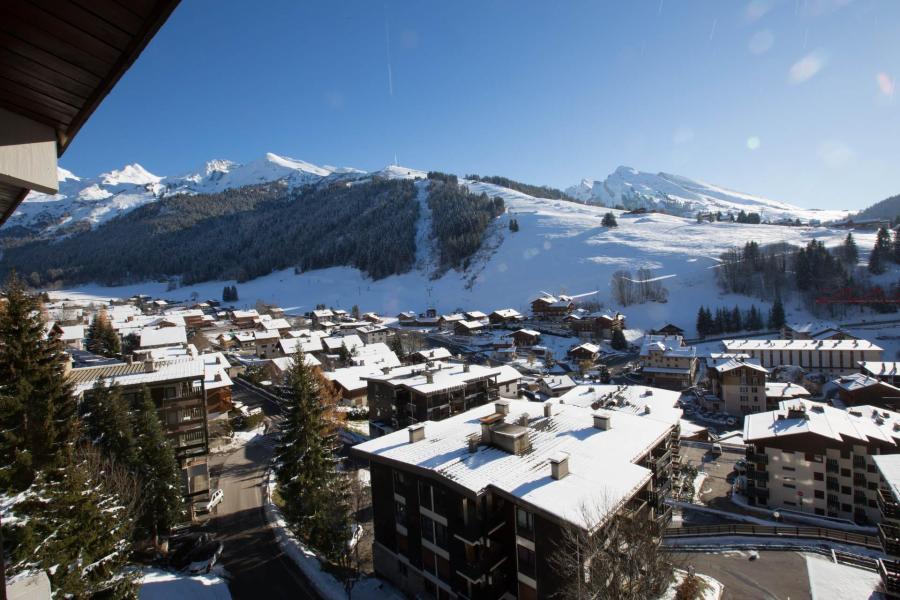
761 42
753 143
835 154
807 67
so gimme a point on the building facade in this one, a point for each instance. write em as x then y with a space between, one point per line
832 357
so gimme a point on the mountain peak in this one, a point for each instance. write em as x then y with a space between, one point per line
133 174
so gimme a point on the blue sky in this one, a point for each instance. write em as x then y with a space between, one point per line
793 100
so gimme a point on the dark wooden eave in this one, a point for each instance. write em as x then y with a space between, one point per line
60 58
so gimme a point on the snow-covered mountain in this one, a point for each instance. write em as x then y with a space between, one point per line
83 203
686 197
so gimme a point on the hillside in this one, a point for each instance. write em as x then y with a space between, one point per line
682 196
889 208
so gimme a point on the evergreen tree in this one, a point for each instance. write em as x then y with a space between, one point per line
754 319
850 252
514 225
704 322
776 315
102 339
397 346
107 423
314 493
896 246
75 522
37 411
618 340
882 252
737 322
158 471
609 220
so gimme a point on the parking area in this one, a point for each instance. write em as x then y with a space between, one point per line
772 576
719 470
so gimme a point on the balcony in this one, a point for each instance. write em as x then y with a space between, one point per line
472 532
890 538
757 476
663 518
760 494
757 457
657 464
889 570
888 505
486 557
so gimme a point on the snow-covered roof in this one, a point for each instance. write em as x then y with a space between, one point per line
507 374
453 317
371 328
215 368
587 347
471 325
558 382
245 314
266 336
439 353
785 391
271 323
862 423
72 333
663 404
860 381
507 313
286 362
738 363
528 332
602 469
333 344
304 344
375 355
322 313
812 327
164 336
474 315
889 466
444 376
351 378
125 374
881 369
837 345
669 346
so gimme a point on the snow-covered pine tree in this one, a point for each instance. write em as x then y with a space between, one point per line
158 471
37 409
106 419
101 337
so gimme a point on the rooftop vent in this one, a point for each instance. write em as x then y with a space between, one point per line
602 421
416 433
429 377
501 407
559 465
548 408
149 365
465 367
472 442
818 409
646 409
855 413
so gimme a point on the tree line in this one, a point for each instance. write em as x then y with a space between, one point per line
230 293
538 191
459 221
733 320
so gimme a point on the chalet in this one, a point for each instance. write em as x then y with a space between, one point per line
505 315
508 382
280 326
597 326
307 345
476 506
350 385
265 343
245 339
468 328
322 317
526 337
586 351
426 321
448 322
72 336
407 317
739 385
555 386
889 372
374 355
277 369
777 392
858 388
225 340
244 319
432 354
668 329
552 308
831 357
334 344
373 334
475 315
217 383
371 317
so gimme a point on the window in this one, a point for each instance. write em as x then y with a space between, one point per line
427 528
790 486
526 561
845 472
440 535
818 476
819 494
524 523
787 468
845 489
425 495
400 513
399 482
402 568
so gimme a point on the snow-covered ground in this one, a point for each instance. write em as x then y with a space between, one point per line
560 248
157 584
831 581
713 591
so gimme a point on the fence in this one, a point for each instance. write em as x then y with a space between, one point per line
819 533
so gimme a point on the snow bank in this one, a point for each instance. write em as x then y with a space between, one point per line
325 584
157 584
831 581
713 590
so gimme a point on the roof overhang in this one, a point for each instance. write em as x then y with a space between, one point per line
58 61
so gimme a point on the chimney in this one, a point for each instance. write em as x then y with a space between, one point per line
465 367
473 440
429 376
646 409
149 366
559 465
602 421
502 407
416 432
548 408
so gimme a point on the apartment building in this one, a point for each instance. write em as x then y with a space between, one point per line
811 457
178 390
473 506
832 357
401 396
739 386
888 466
667 362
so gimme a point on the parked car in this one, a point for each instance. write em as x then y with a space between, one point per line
203 558
215 499
716 450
